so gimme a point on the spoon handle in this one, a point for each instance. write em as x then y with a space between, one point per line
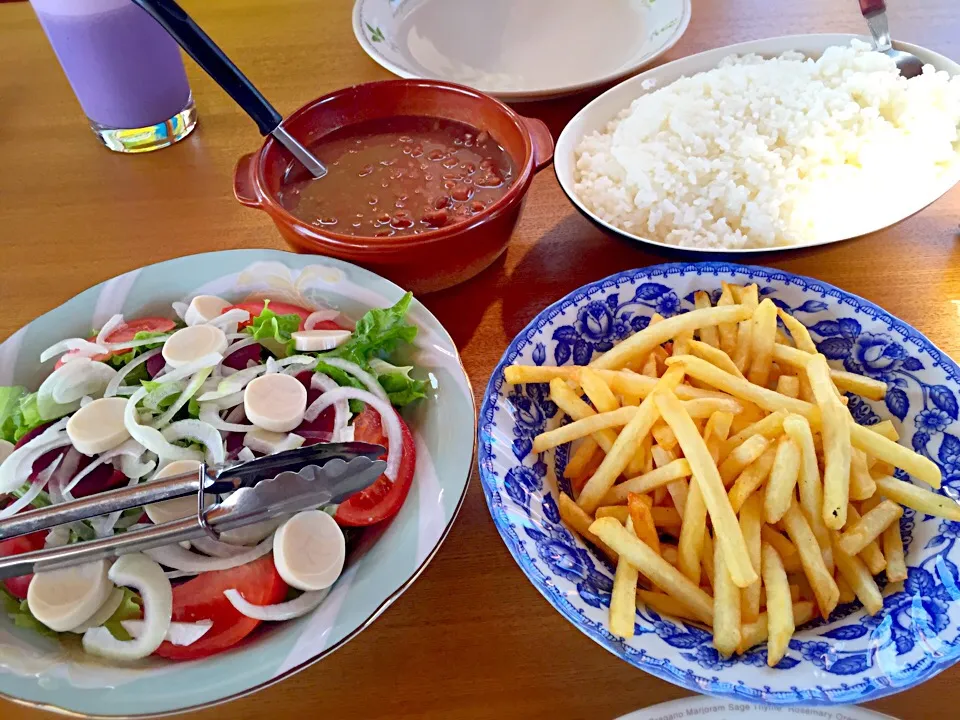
872 7
211 58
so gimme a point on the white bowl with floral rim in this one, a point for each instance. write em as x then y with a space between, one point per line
850 658
519 49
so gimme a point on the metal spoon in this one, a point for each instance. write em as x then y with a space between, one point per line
217 65
875 13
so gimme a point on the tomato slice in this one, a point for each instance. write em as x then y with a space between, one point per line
17 546
255 307
384 498
127 331
202 599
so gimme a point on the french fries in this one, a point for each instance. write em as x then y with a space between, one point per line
836 443
780 505
869 527
706 475
622 449
693 526
659 571
623 597
780 624
751 520
762 339
726 605
783 479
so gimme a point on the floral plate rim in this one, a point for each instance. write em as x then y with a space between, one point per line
663 667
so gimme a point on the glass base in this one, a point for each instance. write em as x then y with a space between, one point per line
153 137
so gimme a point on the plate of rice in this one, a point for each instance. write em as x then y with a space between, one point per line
793 141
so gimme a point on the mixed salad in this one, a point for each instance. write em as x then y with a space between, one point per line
148 398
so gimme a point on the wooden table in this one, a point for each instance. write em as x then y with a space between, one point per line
472 638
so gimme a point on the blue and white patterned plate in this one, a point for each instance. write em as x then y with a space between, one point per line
850 658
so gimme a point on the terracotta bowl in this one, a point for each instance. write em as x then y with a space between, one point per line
433 260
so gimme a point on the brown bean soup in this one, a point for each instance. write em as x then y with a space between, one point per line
399 176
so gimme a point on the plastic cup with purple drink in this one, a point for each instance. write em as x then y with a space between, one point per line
125 70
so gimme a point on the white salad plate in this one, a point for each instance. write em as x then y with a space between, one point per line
43 672
596 115
851 657
519 49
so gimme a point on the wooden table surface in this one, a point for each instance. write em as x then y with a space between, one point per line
472 638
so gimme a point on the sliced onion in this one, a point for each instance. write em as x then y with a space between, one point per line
175 557
58 537
345 434
188 392
341 408
180 309
155 397
151 438
240 345
146 576
114 385
237 414
108 327
388 418
202 432
211 360
67 469
272 366
130 448
234 383
213 548
83 348
315 318
279 612
16 469
134 469
211 415
61 391
368 380
36 487
179 633
246 454
234 316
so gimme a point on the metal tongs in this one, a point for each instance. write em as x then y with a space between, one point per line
260 489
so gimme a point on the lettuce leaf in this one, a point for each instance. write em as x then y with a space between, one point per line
10 411
18 413
131 608
274 330
118 361
397 383
19 612
378 334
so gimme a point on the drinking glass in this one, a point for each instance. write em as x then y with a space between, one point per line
125 70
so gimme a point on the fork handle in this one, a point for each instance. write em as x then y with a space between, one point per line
872 7
875 13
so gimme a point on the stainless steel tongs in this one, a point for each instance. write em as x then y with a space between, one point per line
260 489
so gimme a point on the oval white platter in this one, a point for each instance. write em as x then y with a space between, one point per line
595 116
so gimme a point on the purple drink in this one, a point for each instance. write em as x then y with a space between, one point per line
124 68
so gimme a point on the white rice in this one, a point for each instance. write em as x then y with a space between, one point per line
768 152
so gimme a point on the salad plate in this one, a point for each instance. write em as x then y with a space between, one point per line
851 657
381 562
518 49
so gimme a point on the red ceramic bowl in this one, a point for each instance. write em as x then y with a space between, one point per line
432 260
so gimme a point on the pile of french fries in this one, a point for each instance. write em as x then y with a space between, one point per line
717 465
